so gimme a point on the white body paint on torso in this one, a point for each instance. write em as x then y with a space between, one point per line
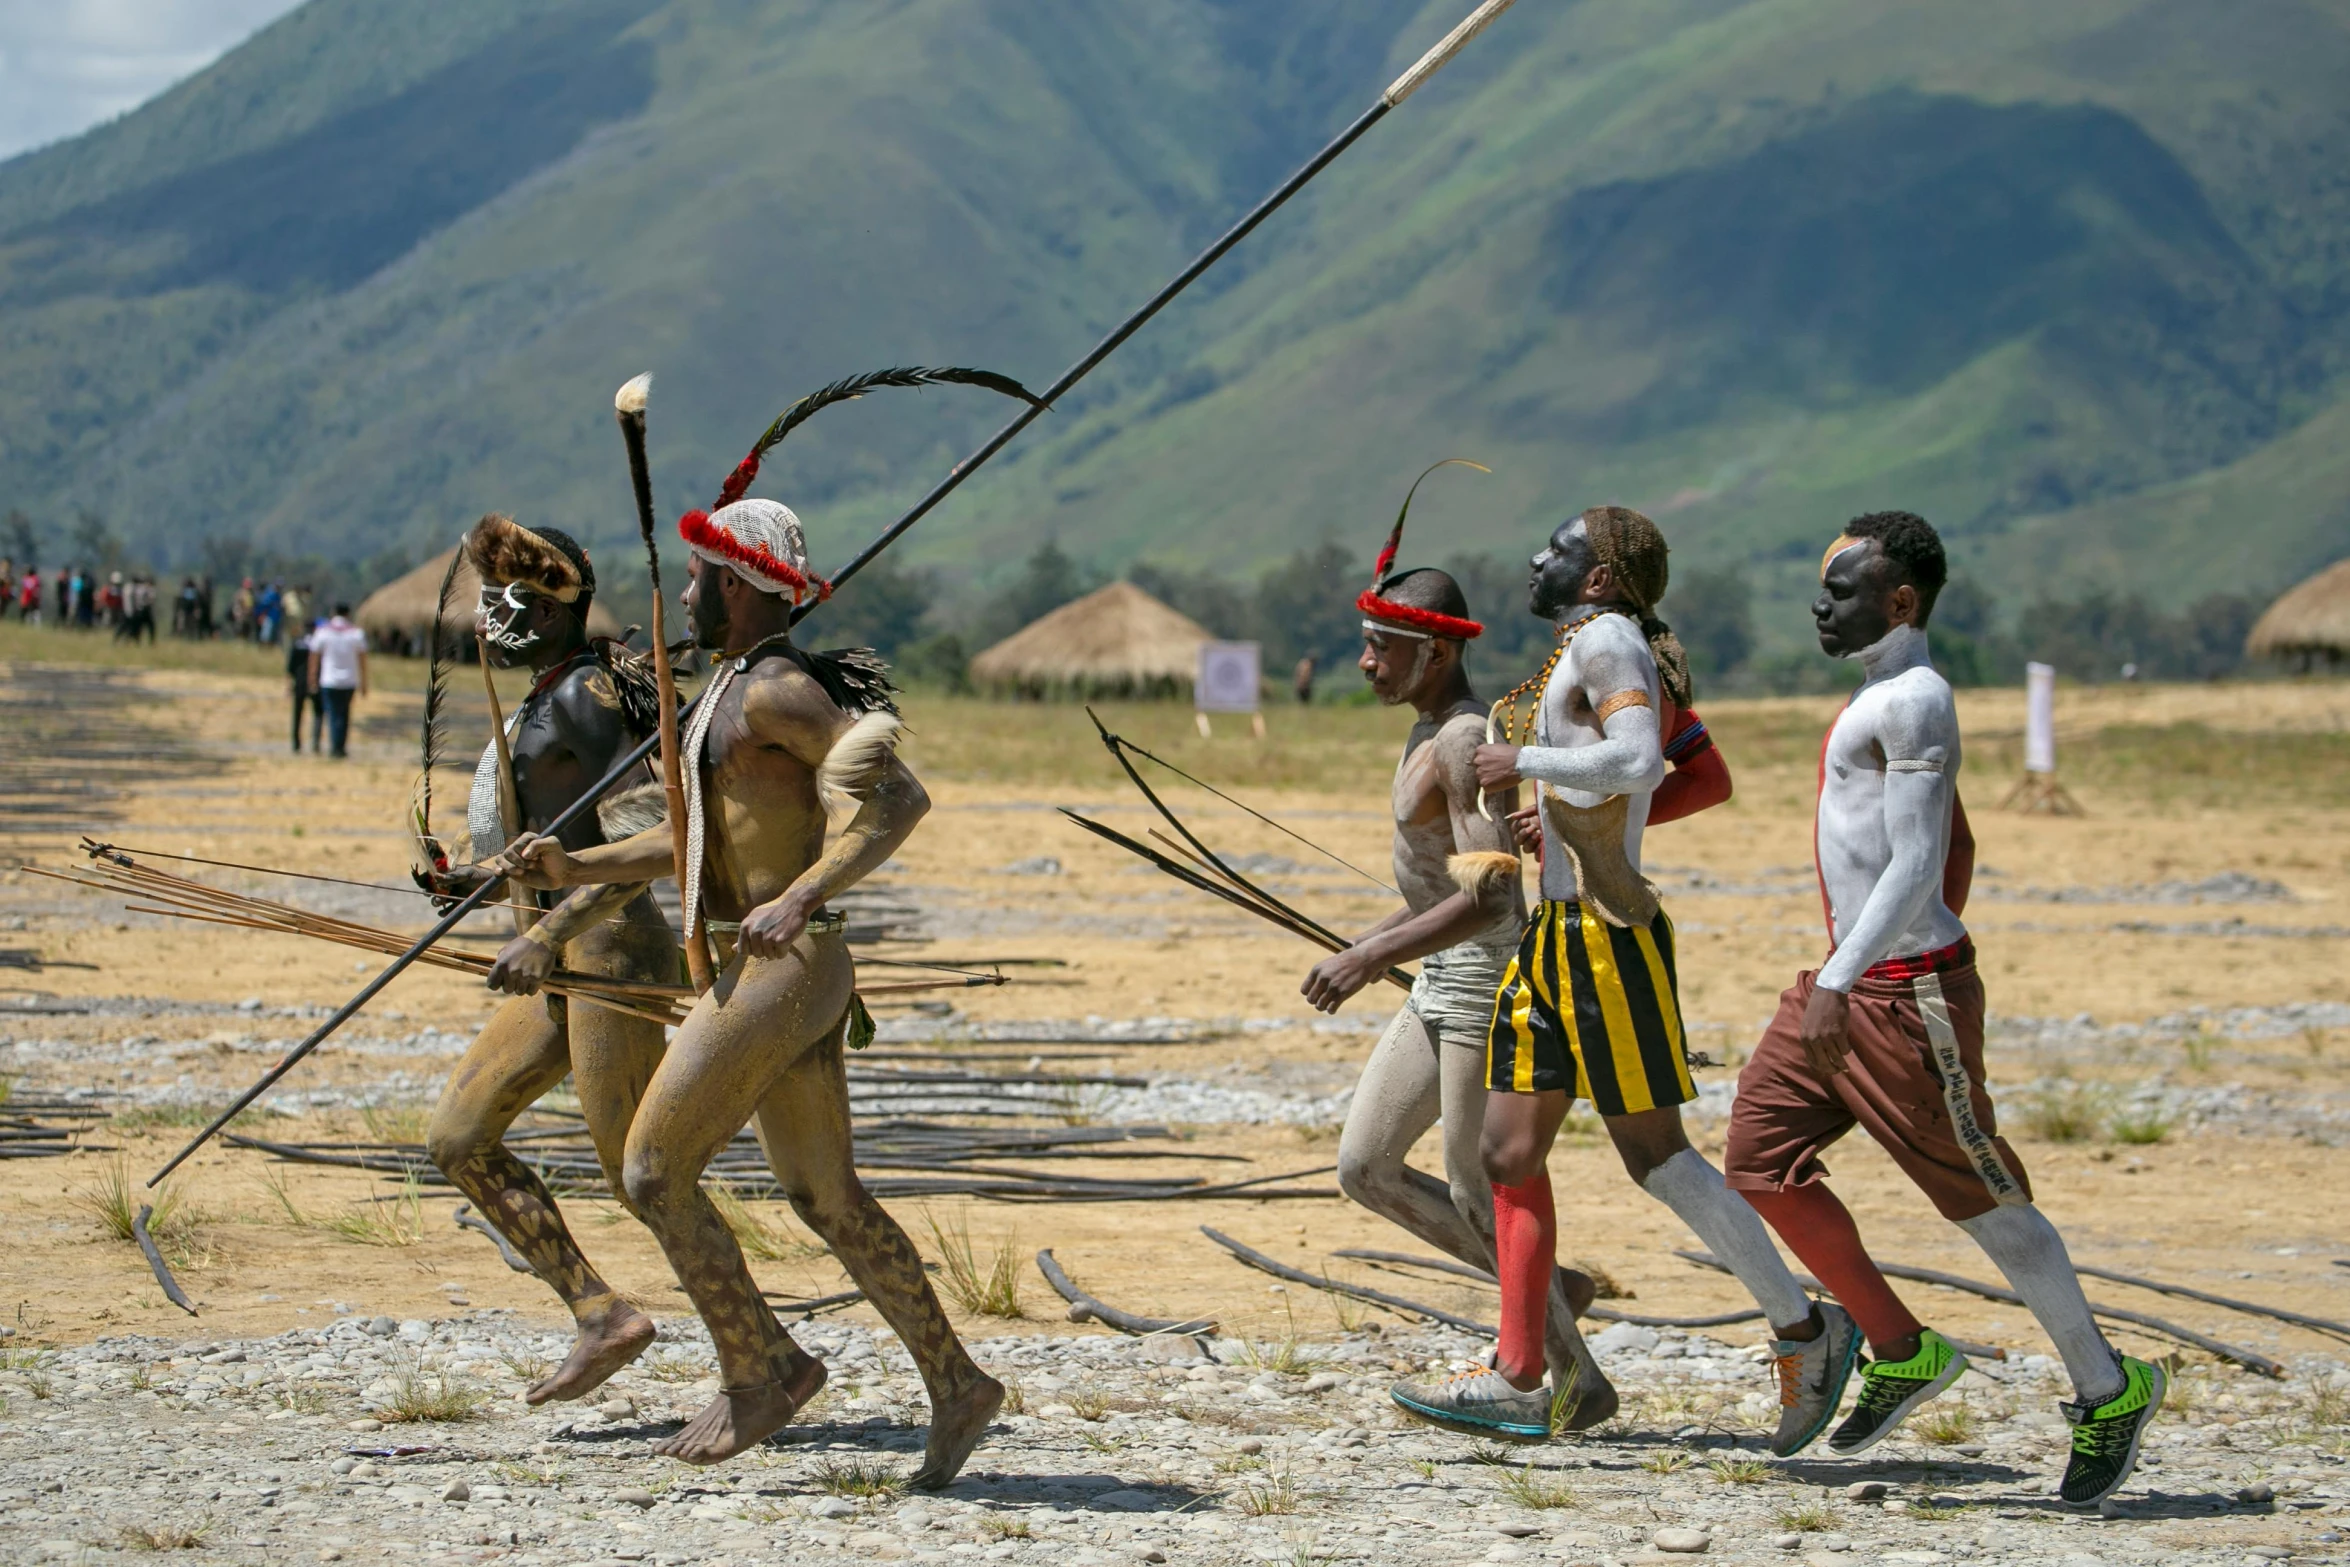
1609 654
1890 774
1424 836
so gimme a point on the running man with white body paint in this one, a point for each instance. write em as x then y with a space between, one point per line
1461 913
1888 1035
1589 1006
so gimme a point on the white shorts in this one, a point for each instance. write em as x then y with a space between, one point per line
1453 994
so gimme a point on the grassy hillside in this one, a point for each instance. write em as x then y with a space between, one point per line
1752 264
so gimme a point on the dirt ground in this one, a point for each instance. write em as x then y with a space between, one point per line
2211 871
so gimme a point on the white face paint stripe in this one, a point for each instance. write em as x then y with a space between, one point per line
1834 553
1957 1098
1384 629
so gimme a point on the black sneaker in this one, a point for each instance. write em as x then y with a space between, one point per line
2106 1435
1890 1389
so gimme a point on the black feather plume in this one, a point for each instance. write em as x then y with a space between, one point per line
849 388
436 689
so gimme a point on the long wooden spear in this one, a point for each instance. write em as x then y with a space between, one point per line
1397 91
628 405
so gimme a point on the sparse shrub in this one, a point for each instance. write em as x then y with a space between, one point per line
990 1292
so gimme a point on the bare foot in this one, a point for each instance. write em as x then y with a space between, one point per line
1581 1289
1590 1400
735 1421
608 1340
955 1429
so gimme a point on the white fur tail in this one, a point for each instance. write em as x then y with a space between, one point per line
631 811
1484 873
854 763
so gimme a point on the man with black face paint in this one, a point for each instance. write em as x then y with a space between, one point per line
588 704
1589 1006
1888 1033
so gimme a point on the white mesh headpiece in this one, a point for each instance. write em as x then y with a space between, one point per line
761 528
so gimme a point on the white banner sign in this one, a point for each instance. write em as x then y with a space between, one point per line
1229 677
2039 718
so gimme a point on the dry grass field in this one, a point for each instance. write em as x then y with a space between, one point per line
2169 975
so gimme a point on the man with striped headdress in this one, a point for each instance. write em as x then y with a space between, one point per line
1589 1007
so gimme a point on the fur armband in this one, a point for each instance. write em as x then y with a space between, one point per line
1483 874
631 811
854 764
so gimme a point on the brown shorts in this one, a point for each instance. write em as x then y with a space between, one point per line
1914 1080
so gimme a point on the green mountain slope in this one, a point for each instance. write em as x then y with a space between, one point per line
1752 264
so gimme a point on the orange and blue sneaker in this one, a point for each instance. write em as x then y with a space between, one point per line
1479 1403
1812 1375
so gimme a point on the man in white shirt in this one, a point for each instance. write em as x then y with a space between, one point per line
338 671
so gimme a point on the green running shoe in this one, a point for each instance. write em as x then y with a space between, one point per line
2106 1435
1479 1403
1890 1389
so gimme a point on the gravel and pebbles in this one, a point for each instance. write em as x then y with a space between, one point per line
293 1449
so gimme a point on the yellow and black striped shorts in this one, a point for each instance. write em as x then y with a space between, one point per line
1593 1009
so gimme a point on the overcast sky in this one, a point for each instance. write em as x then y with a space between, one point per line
66 65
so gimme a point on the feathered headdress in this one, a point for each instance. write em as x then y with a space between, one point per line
718 534
504 551
436 692
1428 622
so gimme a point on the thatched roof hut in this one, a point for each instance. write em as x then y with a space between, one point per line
2310 620
1115 641
397 617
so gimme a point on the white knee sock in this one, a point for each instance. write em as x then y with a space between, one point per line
2025 1247
1732 1231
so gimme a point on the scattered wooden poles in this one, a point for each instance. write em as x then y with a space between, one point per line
1107 1315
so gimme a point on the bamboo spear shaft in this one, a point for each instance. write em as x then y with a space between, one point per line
1397 91
509 797
628 406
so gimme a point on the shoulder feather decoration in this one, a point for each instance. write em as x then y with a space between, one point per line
853 765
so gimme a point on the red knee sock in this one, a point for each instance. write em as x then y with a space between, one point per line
1818 1228
1525 1245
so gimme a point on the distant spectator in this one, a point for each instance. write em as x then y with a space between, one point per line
299 640
1302 680
269 610
338 672
85 598
240 611
7 585
204 625
28 596
138 611
183 609
294 611
113 602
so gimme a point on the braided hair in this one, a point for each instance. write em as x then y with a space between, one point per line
1634 550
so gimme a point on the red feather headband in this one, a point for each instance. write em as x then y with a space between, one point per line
696 528
1430 621
1427 620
